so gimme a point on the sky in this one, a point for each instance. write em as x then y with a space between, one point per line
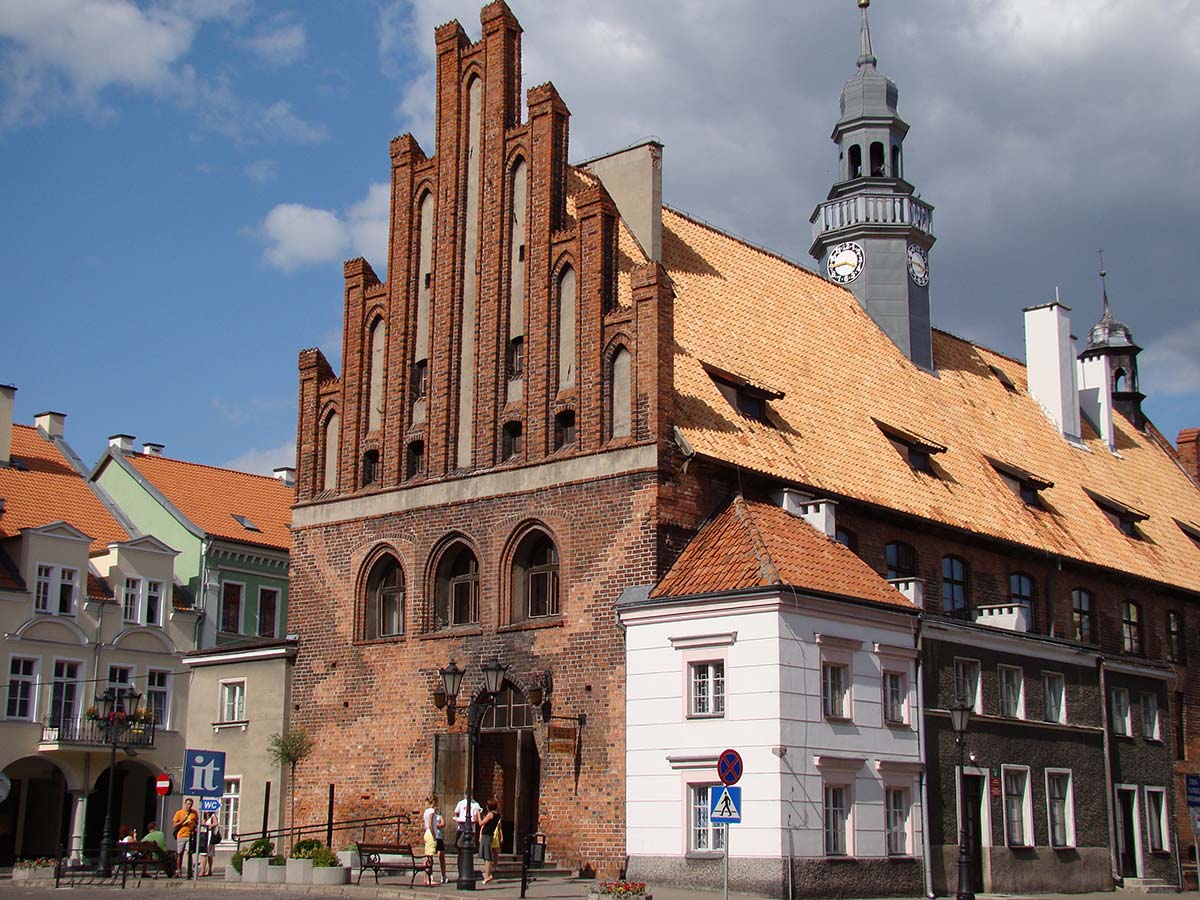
182 179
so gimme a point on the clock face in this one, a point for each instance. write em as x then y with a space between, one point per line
918 265
845 262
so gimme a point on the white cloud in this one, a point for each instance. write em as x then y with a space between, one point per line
261 171
278 42
300 235
1171 365
264 462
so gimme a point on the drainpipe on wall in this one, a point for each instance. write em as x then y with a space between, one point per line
926 852
198 636
1108 779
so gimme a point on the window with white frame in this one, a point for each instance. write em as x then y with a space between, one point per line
231 803
154 603
706 687
1150 727
120 677
835 683
1017 832
1012 699
133 597
1060 807
1120 712
55 589
1054 707
1156 819
142 601
704 836
896 807
895 693
22 688
158 696
232 594
966 683
233 701
64 693
836 819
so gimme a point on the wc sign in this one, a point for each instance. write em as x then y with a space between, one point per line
204 773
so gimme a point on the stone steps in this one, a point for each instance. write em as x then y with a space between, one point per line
1148 886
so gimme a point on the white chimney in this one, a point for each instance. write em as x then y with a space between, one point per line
820 514
121 442
152 449
633 178
7 395
1095 395
1050 363
51 423
912 588
287 475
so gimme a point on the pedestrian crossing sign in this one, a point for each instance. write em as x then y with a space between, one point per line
725 804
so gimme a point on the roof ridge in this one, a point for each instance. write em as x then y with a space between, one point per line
748 244
187 462
981 346
766 565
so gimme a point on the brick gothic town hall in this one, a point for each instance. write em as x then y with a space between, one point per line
564 436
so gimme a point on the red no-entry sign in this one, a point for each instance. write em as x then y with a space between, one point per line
162 785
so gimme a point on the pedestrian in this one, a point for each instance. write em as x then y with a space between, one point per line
128 835
209 838
489 840
466 818
435 841
184 826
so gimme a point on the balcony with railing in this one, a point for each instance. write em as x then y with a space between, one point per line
872 209
84 731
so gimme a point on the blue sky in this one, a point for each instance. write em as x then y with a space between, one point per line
182 179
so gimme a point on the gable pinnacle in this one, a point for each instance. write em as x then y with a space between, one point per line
866 56
1107 315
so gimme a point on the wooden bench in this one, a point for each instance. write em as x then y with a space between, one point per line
371 856
146 854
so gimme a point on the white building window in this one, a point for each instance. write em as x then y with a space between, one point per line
704 835
1156 819
233 701
837 817
133 597
158 695
1054 708
120 677
896 807
835 681
1060 807
1017 813
966 683
895 693
1150 727
55 590
22 688
1012 699
154 602
1120 712
231 802
64 694
707 689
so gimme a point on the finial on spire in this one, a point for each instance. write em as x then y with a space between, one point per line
866 56
1104 286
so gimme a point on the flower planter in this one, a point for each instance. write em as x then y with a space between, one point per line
349 859
254 871
276 874
330 875
40 873
232 874
299 871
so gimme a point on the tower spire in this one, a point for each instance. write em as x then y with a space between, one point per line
866 57
1107 315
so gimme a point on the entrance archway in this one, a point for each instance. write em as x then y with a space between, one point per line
136 802
35 817
508 768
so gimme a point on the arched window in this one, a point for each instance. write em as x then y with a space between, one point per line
1119 379
370 467
1020 588
457 600
564 429
954 586
375 390
1081 616
535 578
415 460
566 328
1131 628
511 710
896 173
383 606
620 405
329 456
878 159
511 448
855 161
901 560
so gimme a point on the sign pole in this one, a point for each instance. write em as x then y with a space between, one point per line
725 891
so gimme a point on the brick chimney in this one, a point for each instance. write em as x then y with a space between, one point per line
7 395
1188 443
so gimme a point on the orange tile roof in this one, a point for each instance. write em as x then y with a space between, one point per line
210 498
748 311
49 490
755 544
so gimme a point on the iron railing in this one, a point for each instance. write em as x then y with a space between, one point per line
376 829
95 732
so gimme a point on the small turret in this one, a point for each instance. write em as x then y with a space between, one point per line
1108 371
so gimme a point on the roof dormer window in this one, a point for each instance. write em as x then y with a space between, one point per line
1191 530
914 449
1021 482
1123 516
245 522
1002 377
749 397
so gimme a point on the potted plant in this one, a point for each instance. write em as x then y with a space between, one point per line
253 862
607 890
34 869
300 866
326 869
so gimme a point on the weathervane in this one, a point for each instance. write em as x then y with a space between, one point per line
1103 283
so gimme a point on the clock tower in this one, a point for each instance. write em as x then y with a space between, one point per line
871 234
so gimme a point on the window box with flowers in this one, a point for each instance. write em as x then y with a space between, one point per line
40 869
606 890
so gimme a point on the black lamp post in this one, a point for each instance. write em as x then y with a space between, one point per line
960 715
118 709
446 697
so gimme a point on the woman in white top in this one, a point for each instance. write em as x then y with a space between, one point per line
435 842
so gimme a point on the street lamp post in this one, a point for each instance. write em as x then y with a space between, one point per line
960 715
117 708
447 697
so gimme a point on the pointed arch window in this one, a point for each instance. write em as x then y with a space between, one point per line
620 401
329 456
535 578
370 468
383 604
566 328
378 344
511 710
457 598
415 460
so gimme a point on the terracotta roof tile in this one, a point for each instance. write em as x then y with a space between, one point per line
44 488
749 311
211 497
755 544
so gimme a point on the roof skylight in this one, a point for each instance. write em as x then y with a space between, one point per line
245 522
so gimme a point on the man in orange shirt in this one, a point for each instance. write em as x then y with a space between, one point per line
185 823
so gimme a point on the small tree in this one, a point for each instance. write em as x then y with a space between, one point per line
291 748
